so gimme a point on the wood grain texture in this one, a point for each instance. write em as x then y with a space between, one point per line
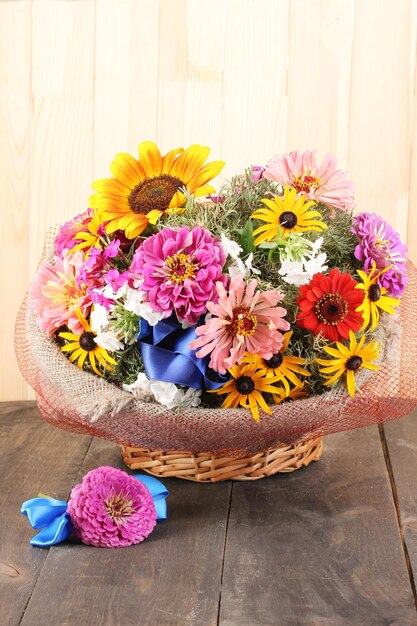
172 578
319 547
254 82
15 50
319 70
401 440
34 457
381 108
62 115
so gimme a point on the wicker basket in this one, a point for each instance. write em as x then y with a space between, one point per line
204 467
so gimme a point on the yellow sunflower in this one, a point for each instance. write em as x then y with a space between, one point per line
375 297
246 387
285 366
143 190
348 360
284 215
84 345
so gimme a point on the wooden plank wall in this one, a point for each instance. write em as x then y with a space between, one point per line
81 80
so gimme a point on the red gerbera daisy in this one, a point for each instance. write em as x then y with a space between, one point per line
328 305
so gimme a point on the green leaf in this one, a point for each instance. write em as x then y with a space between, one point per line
246 237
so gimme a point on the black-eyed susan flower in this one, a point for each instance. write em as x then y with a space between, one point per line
284 215
83 346
143 189
89 238
285 366
246 387
375 297
348 360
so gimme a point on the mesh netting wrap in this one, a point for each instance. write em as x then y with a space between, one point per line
81 402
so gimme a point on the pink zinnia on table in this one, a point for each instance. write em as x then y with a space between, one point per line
244 319
55 294
110 508
323 183
179 269
66 238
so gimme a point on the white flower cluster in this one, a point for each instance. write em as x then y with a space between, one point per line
167 394
301 271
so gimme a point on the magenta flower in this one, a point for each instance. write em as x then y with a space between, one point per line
179 270
111 509
380 243
65 240
323 183
257 173
244 319
115 279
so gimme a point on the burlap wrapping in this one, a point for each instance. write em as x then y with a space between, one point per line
81 402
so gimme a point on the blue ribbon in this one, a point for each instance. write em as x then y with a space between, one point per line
167 357
51 515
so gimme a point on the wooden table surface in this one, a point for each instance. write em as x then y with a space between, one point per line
335 543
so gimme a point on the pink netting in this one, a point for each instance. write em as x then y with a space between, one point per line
81 402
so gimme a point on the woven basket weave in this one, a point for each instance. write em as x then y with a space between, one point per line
205 467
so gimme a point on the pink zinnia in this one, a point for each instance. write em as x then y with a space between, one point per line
323 183
66 238
55 294
179 270
244 319
111 509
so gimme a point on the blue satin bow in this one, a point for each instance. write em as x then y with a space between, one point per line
51 515
166 355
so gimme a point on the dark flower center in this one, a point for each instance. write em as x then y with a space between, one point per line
275 361
119 507
288 219
331 309
245 385
87 342
354 363
374 293
243 322
154 193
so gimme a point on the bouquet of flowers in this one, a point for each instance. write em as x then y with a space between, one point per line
163 304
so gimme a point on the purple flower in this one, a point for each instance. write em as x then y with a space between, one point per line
379 243
112 249
257 173
111 509
179 270
115 279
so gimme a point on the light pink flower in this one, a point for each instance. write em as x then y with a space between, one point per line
179 269
55 294
111 509
244 319
323 183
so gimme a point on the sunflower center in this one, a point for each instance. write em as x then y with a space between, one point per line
179 267
87 342
288 219
374 293
154 193
245 385
354 363
305 182
119 507
275 361
331 309
243 322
